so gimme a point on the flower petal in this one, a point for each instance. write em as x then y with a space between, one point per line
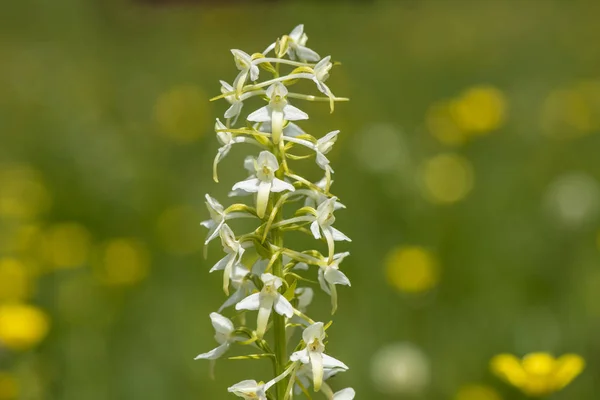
220 265
221 324
339 236
264 312
214 353
307 54
251 303
330 362
336 277
301 355
248 185
345 394
283 306
292 113
314 228
316 362
263 114
262 199
280 186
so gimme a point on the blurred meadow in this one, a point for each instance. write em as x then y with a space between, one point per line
469 160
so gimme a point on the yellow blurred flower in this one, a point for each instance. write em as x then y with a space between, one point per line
123 261
9 386
446 178
477 392
479 109
538 374
15 280
22 326
66 245
572 111
181 112
178 230
442 125
21 238
23 193
411 269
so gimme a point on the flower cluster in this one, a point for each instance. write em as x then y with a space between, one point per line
271 285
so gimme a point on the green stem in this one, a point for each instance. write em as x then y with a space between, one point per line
280 339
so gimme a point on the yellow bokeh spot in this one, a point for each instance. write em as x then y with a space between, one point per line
123 261
22 326
15 280
181 112
9 386
447 178
441 125
538 374
411 269
572 111
480 109
477 392
66 245
179 231
23 193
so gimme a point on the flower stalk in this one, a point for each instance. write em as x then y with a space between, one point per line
275 284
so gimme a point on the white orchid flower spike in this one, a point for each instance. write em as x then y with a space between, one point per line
265 181
265 301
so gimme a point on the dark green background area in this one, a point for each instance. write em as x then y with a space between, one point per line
79 83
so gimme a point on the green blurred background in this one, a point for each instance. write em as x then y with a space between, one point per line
469 161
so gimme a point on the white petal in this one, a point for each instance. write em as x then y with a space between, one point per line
336 277
279 186
330 362
234 110
316 361
345 394
307 54
301 266
262 199
221 324
314 228
297 32
260 266
214 353
282 306
323 282
339 236
314 331
269 49
292 130
220 265
251 303
321 160
254 71
330 137
301 356
249 185
264 312
292 113
233 299
263 114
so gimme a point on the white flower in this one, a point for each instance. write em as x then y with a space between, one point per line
305 296
242 285
267 299
227 140
297 43
331 367
330 275
265 181
223 335
324 146
321 74
243 61
314 336
249 390
322 223
236 103
218 216
277 111
234 250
